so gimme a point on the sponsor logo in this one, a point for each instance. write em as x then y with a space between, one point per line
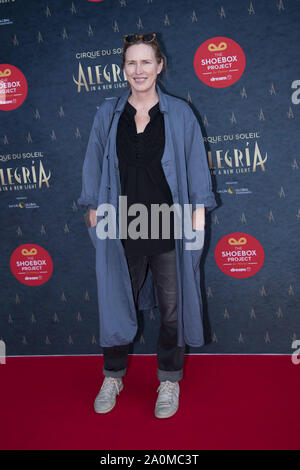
13 87
31 264
219 62
239 255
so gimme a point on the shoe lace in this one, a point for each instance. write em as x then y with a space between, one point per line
166 390
108 386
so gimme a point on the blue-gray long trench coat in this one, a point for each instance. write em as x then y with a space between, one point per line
185 167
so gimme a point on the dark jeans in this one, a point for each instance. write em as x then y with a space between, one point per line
170 357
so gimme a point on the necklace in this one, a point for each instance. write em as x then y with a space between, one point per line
144 110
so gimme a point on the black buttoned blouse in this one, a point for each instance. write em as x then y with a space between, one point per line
142 177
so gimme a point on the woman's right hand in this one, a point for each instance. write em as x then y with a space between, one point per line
92 217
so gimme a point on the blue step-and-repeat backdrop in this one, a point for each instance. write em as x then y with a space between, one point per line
237 64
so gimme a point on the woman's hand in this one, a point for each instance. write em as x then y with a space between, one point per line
199 218
92 217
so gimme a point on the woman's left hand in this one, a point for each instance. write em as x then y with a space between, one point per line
199 219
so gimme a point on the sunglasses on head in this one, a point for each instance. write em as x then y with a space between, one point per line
148 37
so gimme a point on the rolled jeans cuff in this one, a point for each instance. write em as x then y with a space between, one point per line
171 375
114 373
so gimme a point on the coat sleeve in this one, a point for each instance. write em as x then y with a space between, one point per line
198 175
92 165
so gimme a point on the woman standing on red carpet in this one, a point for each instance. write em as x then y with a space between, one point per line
148 147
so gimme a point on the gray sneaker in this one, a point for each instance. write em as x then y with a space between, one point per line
168 399
106 398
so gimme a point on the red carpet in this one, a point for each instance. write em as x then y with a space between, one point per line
226 402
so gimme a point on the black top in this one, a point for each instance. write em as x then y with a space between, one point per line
142 177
